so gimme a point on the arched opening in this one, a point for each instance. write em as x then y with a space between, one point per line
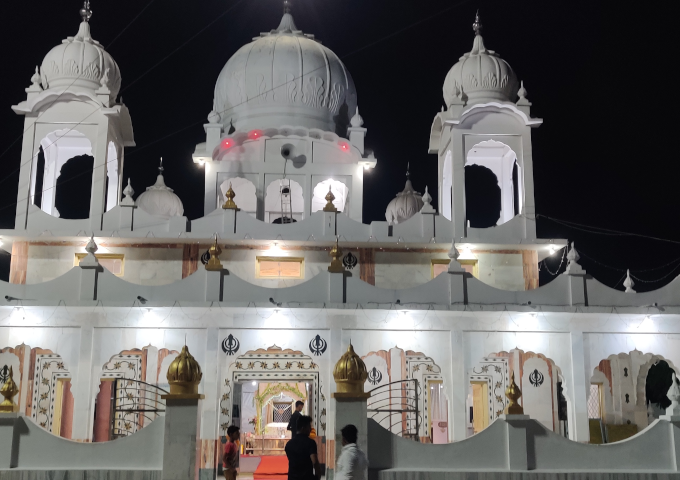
39 178
339 190
112 177
73 188
659 380
57 149
246 194
501 160
482 197
284 199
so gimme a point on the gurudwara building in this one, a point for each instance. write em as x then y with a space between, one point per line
280 277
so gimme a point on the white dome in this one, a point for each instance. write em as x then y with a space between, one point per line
285 77
406 204
160 200
79 62
483 75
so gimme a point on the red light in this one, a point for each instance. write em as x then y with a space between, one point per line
254 134
227 143
344 146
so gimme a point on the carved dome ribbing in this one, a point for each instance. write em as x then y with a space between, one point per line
483 76
79 62
285 77
407 203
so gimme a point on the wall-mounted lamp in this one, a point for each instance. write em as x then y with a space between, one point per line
141 299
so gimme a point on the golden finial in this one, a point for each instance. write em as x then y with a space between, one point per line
329 202
9 391
350 375
214 264
513 393
184 374
229 204
336 255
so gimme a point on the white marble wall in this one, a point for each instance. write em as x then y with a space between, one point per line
501 270
143 266
242 263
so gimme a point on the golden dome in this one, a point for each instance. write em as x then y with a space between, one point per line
513 393
350 374
9 391
184 373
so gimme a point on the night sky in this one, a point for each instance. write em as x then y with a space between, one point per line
599 75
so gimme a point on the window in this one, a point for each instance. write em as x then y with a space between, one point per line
440 265
280 267
595 401
113 262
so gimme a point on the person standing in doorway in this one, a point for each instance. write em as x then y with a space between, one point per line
303 462
231 454
352 463
292 423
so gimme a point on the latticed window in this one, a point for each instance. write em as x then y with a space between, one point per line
282 412
594 401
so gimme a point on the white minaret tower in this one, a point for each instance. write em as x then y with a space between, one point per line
487 122
71 110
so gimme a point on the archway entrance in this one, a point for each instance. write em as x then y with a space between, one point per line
258 393
494 191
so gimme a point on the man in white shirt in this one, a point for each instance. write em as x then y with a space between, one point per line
352 463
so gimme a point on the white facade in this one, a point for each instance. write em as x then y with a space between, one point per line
459 318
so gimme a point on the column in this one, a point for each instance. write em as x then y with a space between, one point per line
458 216
578 428
83 386
458 390
99 174
26 166
182 417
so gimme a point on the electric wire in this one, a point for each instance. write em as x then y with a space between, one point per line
229 108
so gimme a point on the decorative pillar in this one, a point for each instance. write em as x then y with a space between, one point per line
182 418
517 428
579 429
350 399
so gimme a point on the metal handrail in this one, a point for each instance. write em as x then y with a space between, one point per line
409 405
135 398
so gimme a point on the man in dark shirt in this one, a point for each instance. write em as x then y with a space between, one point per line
292 423
303 463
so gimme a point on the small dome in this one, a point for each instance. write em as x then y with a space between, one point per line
80 63
184 373
160 200
350 372
285 77
482 74
406 204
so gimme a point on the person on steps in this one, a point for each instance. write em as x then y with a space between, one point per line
303 462
292 423
231 455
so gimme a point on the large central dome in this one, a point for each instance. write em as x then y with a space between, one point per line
285 77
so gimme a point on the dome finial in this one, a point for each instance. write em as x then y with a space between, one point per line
408 170
86 12
287 24
160 167
477 26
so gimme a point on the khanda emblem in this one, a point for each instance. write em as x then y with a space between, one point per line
4 374
374 376
536 378
318 345
230 345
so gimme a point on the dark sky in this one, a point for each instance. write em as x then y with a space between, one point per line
599 75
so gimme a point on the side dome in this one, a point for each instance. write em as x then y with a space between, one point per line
407 203
480 75
285 77
160 200
80 62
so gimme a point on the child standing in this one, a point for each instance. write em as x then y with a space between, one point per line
231 454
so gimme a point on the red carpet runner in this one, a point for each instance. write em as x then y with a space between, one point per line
273 467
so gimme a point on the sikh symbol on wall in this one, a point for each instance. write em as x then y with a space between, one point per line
230 345
318 345
374 376
536 378
350 261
